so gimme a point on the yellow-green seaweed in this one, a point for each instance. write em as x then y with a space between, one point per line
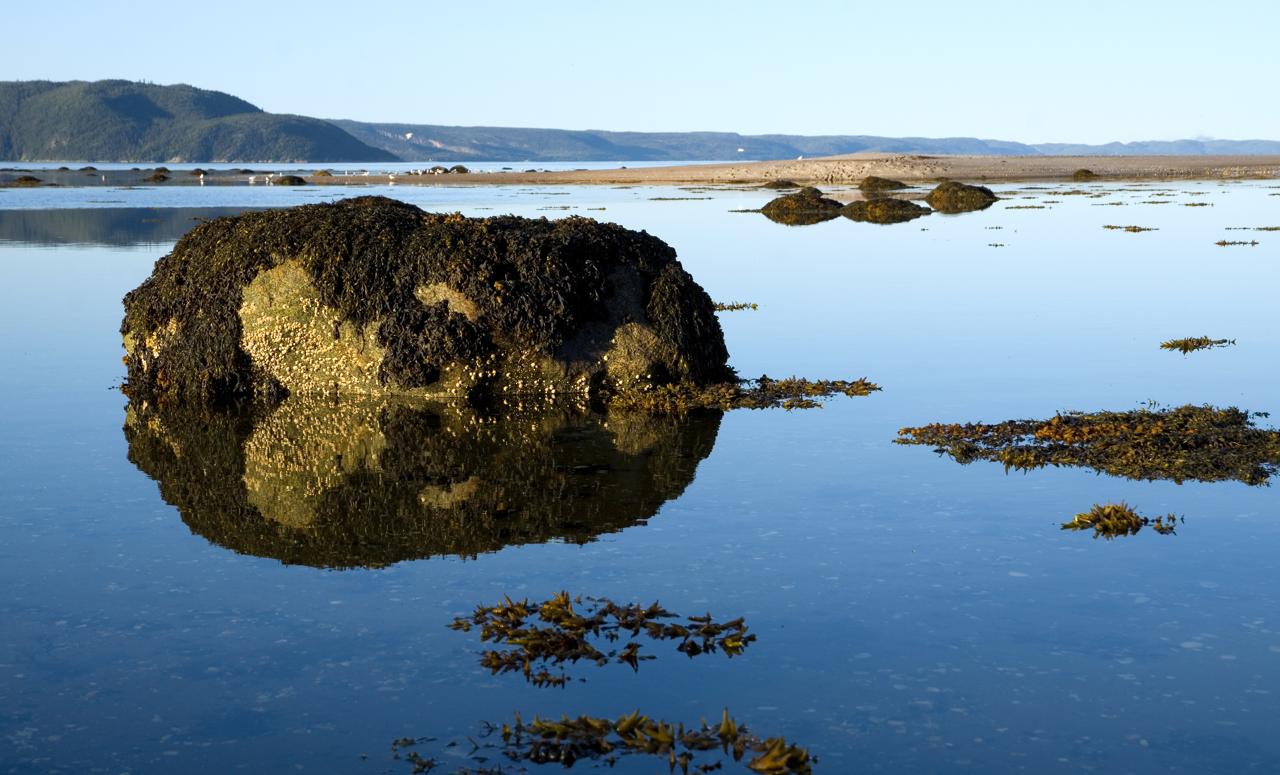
576 629
1116 520
1196 443
604 741
1194 343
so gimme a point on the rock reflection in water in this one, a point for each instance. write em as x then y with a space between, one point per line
341 485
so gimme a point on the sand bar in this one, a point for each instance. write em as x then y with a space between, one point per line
853 168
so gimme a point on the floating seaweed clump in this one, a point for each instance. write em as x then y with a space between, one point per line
1198 443
1192 344
1117 520
736 306
872 184
572 625
1130 229
1222 243
883 210
605 741
803 208
954 197
762 393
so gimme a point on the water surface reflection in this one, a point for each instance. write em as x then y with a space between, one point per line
341 485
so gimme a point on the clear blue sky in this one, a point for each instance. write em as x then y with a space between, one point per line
1029 71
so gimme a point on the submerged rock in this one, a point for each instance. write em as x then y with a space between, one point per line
371 296
803 208
883 210
954 197
872 184
370 483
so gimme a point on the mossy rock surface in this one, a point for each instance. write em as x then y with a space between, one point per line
805 207
954 197
370 296
872 184
288 180
371 483
883 210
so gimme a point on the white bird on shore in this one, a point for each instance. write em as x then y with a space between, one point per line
391 180
202 178
253 179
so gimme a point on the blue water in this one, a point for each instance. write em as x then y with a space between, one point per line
913 615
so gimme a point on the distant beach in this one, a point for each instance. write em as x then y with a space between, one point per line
830 170
912 168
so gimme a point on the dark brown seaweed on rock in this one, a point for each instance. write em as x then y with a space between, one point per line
955 197
780 183
530 637
872 184
1117 520
605 741
350 484
370 296
736 306
884 211
1197 443
803 208
1084 175
288 180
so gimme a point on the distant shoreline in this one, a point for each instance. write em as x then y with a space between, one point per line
833 170
910 168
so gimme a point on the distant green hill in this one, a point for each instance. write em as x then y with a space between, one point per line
142 122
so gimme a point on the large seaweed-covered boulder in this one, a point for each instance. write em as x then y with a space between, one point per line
803 208
883 210
954 197
370 482
371 296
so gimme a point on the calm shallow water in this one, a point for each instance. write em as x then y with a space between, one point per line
913 614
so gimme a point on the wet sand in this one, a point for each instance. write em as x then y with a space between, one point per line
910 168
